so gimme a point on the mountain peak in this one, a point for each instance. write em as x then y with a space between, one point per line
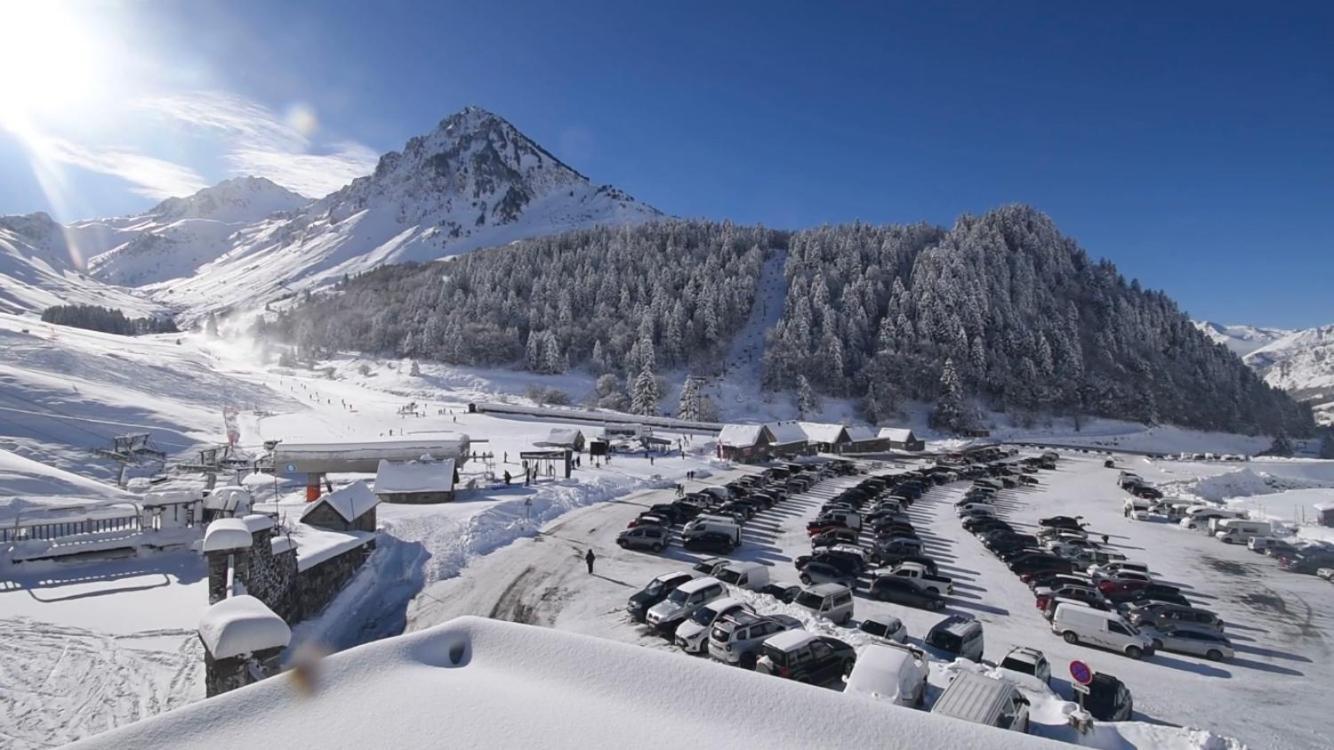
248 195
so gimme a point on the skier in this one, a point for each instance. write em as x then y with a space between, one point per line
507 479
589 558
1106 539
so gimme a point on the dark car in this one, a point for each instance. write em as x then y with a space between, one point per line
673 512
835 536
1146 492
1106 698
709 541
903 591
1158 593
657 589
804 657
845 561
784 594
1040 563
1061 522
985 523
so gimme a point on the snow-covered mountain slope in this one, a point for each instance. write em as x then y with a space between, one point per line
41 267
475 181
1299 362
179 235
1241 339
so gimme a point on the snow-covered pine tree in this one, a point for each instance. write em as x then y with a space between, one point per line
808 404
950 408
687 406
416 369
645 396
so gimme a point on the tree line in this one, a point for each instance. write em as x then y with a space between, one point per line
1000 310
106 320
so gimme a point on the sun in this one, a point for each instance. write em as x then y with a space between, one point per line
51 61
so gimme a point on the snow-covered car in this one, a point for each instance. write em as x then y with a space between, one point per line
884 628
1326 573
692 636
1029 661
892 672
1199 642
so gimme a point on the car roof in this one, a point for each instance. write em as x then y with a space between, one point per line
972 697
675 574
718 605
828 589
789 640
882 619
699 584
1025 652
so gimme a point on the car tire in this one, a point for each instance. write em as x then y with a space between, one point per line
805 579
657 547
1214 655
1157 645
1134 652
1070 637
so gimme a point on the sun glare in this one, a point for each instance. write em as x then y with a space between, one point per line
50 60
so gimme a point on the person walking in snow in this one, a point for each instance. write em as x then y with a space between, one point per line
589 558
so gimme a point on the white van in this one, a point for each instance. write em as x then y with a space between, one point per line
1079 624
983 700
890 672
745 575
713 523
1240 530
831 601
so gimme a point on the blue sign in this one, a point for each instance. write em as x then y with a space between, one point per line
1081 672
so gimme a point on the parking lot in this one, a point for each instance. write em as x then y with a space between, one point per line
1278 621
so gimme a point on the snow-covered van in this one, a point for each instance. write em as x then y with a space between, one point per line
746 575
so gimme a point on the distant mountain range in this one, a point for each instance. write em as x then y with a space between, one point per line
474 181
1300 362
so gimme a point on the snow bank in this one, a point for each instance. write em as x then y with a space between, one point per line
227 534
474 682
241 625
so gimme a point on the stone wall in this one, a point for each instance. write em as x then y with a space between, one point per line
319 584
221 675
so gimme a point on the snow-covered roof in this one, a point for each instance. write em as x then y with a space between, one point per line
786 433
170 497
740 435
1322 507
790 639
350 502
897 434
824 432
227 534
228 499
257 522
563 436
396 477
575 691
859 432
241 625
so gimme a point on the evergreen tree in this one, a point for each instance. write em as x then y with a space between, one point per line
950 409
645 395
808 404
688 406
416 370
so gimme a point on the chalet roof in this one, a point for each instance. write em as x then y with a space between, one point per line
740 435
897 434
787 433
566 437
350 502
860 433
824 432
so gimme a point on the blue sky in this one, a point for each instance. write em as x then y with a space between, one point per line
1191 145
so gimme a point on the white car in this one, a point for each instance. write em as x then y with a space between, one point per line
692 636
884 628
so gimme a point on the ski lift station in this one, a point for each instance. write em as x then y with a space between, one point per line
364 456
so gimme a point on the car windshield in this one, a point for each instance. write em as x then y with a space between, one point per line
678 597
728 576
1017 665
703 616
809 600
654 588
944 640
